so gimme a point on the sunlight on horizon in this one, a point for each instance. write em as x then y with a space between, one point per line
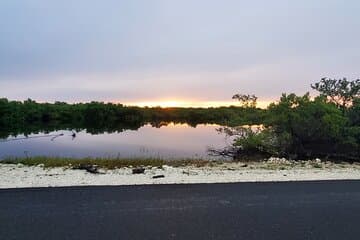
187 104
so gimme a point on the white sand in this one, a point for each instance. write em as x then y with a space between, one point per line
19 176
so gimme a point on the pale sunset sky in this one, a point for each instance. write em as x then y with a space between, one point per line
174 52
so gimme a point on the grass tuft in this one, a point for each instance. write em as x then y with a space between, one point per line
107 163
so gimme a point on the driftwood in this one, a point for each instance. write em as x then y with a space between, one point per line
158 176
138 170
88 167
224 152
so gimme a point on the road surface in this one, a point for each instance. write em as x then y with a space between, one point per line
291 210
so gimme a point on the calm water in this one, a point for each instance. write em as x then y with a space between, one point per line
172 141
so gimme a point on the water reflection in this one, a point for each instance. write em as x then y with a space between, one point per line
166 140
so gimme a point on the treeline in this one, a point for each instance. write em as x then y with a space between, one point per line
301 127
27 117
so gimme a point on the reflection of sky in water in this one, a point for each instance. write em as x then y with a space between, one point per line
172 141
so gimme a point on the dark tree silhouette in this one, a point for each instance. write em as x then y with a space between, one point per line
339 91
246 100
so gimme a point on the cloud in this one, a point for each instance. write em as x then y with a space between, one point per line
203 50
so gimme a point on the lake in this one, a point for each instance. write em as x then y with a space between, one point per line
171 141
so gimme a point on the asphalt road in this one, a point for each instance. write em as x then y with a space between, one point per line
294 210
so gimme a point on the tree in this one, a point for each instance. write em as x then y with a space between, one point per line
248 143
354 113
338 91
316 127
246 100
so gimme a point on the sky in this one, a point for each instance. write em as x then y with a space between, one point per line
174 52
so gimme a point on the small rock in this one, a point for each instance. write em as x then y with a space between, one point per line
158 176
244 165
166 167
278 160
318 160
139 170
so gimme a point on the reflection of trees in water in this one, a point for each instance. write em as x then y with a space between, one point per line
46 129
159 124
95 127
92 128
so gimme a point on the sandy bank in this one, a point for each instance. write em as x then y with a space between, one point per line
20 176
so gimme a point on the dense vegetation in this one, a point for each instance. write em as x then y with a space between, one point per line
96 117
327 126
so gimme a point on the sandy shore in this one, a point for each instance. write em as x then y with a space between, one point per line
20 176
